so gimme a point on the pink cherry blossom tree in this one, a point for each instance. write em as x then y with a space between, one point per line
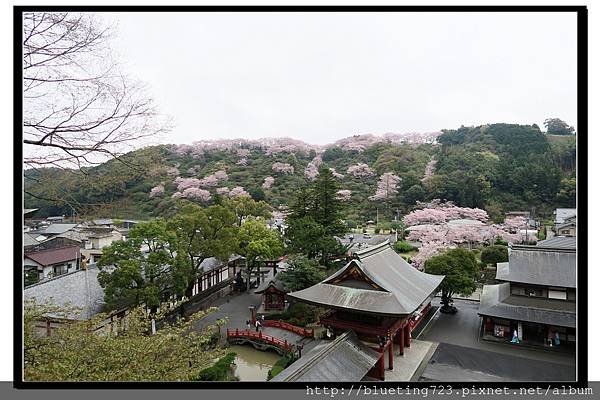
446 225
157 191
387 187
269 180
283 168
336 174
196 194
311 172
238 191
223 191
343 195
360 170
429 169
185 183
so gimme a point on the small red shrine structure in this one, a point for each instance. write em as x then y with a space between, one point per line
378 296
273 294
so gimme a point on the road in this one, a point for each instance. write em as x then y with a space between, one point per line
461 354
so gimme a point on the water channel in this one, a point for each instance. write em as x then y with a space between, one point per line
252 364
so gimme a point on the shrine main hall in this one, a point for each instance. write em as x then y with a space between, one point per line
374 302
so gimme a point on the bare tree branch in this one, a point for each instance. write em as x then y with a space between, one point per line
79 110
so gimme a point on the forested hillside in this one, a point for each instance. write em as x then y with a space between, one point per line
497 167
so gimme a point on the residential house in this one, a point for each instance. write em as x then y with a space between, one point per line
536 297
568 227
57 229
51 262
561 214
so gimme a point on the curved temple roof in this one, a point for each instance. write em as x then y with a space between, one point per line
388 284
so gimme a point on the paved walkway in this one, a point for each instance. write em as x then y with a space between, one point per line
462 329
405 366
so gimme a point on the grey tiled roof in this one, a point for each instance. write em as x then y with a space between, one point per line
559 242
274 281
345 359
403 287
496 301
539 266
56 229
29 240
79 289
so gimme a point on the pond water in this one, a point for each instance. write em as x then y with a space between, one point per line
252 364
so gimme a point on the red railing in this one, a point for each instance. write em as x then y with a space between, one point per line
259 336
289 327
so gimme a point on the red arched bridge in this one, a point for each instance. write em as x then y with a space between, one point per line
260 341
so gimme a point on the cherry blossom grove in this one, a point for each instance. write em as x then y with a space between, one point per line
185 183
193 193
213 179
343 195
269 180
283 168
386 187
444 225
361 142
360 170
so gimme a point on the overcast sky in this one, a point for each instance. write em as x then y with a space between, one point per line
321 77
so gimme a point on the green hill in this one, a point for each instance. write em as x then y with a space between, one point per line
498 167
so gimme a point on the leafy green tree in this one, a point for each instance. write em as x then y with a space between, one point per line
258 243
302 273
556 126
403 247
567 195
201 233
244 207
76 352
257 194
326 208
460 269
494 254
130 277
413 194
316 219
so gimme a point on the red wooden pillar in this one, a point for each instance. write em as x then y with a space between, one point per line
407 334
391 355
402 341
382 365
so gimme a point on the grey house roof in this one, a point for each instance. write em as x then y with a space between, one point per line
29 240
563 213
57 229
496 301
559 242
344 359
539 266
398 289
78 289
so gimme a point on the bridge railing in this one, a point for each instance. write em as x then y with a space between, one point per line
288 327
231 333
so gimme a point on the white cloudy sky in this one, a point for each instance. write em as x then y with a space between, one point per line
321 77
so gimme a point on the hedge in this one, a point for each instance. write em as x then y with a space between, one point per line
220 371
